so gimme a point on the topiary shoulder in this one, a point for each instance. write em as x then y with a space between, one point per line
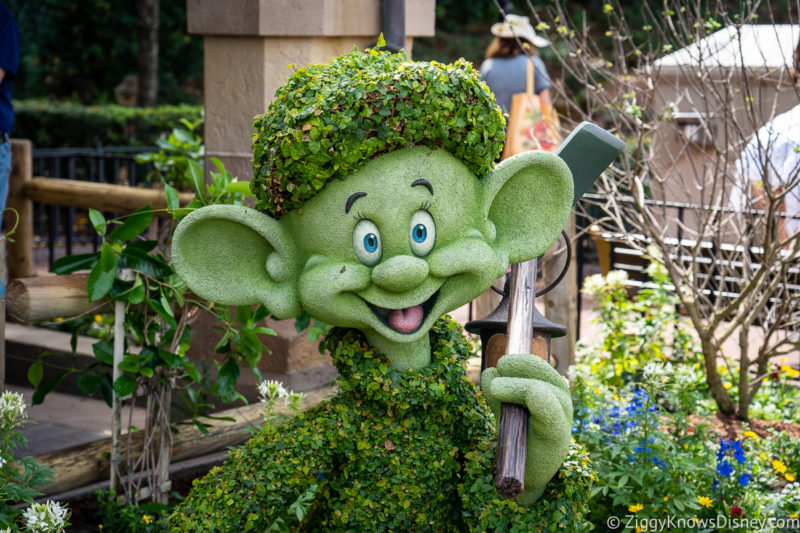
393 451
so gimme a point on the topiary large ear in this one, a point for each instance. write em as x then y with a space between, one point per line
528 198
235 255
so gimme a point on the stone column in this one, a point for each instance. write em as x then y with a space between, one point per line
249 43
247 47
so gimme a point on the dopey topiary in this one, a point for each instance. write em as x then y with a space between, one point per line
379 210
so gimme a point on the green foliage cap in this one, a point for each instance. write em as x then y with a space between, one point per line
328 120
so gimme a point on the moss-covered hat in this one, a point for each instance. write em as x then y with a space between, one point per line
328 120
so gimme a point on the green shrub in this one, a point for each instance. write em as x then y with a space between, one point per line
393 451
65 124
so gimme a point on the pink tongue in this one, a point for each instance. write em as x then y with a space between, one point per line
406 320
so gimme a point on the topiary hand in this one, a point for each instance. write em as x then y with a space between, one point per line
527 380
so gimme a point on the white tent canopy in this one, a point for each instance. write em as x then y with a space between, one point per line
753 46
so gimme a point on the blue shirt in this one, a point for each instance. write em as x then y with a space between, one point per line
507 76
9 61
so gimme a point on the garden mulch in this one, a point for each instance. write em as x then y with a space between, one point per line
732 428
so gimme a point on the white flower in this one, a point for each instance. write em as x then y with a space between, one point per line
576 372
2 463
271 389
684 376
50 517
655 268
617 279
594 284
12 406
653 370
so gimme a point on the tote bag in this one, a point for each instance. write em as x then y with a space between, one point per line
531 125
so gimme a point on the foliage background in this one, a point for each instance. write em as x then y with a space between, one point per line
82 50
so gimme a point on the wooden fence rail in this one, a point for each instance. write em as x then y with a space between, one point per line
24 189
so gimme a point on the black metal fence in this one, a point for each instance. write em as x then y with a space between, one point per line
63 231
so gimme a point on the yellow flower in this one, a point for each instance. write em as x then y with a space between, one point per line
779 466
98 319
616 397
638 529
792 517
791 372
762 456
636 508
666 498
597 391
696 366
705 502
789 476
727 386
147 519
59 319
751 434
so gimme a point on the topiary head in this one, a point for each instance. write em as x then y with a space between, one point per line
327 121
383 209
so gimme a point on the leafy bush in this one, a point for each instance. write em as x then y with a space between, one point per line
51 124
19 478
393 451
115 515
642 408
85 49
328 120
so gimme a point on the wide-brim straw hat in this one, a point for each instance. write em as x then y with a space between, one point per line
519 27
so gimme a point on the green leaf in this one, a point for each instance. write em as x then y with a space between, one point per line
71 263
98 221
137 293
47 388
133 226
173 200
103 274
240 187
139 260
89 382
124 386
194 173
170 359
104 351
36 373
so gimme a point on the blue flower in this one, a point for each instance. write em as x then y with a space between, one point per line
724 468
320 476
738 452
744 479
715 485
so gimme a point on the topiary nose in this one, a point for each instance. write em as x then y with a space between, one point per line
400 273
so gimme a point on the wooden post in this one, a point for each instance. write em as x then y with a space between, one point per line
116 403
20 252
48 297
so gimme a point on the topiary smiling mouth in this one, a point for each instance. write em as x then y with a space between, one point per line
406 320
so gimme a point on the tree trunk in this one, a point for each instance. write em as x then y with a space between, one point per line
147 95
718 392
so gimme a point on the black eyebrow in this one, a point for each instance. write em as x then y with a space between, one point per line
353 197
424 183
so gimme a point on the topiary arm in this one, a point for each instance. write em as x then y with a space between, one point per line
261 479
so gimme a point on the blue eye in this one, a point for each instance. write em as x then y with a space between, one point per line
367 242
422 233
371 242
419 233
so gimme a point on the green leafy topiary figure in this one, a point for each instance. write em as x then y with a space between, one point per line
380 212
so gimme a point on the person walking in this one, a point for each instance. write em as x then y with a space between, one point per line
505 68
9 61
